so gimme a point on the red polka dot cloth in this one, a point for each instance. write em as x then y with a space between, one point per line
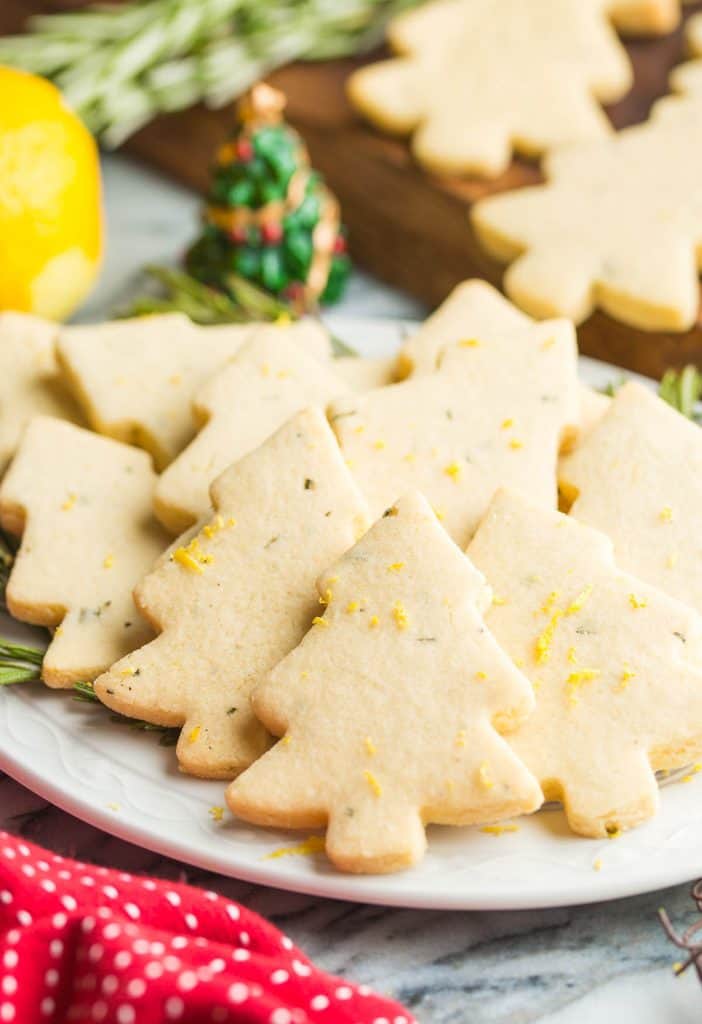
84 943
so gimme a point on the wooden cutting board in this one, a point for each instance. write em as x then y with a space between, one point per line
408 227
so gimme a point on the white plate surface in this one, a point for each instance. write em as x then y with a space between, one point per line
123 782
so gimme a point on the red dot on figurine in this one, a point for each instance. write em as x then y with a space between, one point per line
238 236
244 150
339 245
271 233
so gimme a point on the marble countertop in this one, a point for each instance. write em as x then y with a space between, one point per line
607 963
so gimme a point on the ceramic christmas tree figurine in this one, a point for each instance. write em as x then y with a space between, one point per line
269 216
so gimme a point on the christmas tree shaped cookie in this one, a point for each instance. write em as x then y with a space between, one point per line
473 310
638 477
495 413
231 599
388 707
240 405
29 380
475 79
136 378
82 506
617 226
616 664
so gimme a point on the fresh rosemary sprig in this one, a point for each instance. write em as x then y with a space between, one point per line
683 389
19 664
242 303
121 65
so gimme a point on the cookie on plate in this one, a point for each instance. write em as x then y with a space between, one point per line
388 707
136 378
616 665
29 379
475 80
495 413
233 596
638 477
82 505
617 226
239 406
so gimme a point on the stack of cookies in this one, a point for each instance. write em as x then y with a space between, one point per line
348 582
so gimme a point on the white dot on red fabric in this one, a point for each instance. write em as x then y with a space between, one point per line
125 1014
47 1006
209 895
204 974
233 912
217 965
103 912
199 941
95 952
363 990
123 959
64 875
55 948
110 892
244 938
303 970
42 865
286 943
23 849
136 988
172 963
87 924
7 1011
132 910
187 981
381 1020
59 920
69 902
179 942
51 977
153 969
12 937
148 884
24 918
9 985
191 921
320 1002
238 993
10 959
29 870
141 946
400 1020
157 949
47 885
110 984
173 898
343 992
174 1008
125 877
6 897
241 954
279 977
111 931
281 1016
87 880
99 1010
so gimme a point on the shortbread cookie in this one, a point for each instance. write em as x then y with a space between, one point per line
388 704
136 378
616 665
688 77
473 311
29 380
233 598
460 433
617 226
365 374
82 506
638 478
240 405
477 79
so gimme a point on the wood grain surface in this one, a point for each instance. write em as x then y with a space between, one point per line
408 227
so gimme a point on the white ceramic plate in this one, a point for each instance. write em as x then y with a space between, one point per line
124 782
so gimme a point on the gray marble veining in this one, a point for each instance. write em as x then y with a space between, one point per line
606 963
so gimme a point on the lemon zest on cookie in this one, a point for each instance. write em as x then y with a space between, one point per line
498 830
369 745
373 622
484 775
318 620
194 734
666 514
373 783
453 470
542 649
637 602
307 848
579 603
69 502
399 614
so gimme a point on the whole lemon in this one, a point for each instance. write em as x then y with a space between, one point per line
50 199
